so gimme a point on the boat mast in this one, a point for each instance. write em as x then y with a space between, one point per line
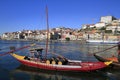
47 32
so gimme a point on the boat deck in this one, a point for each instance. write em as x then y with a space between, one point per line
63 63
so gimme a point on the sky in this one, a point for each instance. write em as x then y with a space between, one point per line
17 15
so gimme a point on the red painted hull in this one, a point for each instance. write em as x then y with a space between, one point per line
83 67
72 65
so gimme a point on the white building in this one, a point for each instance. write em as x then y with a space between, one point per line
5 35
100 25
92 25
84 26
113 28
107 19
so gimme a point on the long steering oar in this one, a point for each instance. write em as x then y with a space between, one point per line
103 50
11 51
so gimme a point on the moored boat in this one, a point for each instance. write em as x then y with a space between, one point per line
102 59
103 41
71 65
116 60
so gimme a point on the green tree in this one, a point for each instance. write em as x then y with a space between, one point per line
67 39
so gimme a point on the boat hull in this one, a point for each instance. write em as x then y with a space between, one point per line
77 66
63 67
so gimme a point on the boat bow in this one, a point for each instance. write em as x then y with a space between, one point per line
18 57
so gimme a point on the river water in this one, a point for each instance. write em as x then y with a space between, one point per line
11 69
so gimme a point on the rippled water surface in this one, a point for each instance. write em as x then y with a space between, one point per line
11 69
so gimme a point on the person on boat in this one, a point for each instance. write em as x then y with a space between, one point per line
32 53
119 51
39 51
36 54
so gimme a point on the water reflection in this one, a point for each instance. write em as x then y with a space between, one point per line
36 74
28 73
4 74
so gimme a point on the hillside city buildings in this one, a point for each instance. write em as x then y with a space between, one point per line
108 28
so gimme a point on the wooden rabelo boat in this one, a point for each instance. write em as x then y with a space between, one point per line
61 65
